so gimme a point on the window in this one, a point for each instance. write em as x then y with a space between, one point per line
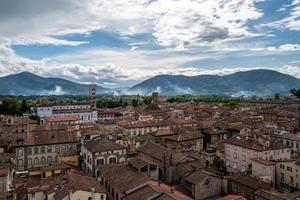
49 159
234 165
20 162
57 149
243 158
49 149
42 150
112 160
234 187
63 148
36 150
20 152
29 151
43 160
36 161
29 162
235 156
100 161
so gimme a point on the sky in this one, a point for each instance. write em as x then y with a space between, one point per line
118 43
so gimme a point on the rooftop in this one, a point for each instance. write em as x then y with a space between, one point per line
101 145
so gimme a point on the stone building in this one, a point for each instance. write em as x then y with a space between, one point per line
102 151
43 144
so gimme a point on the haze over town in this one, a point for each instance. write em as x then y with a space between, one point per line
121 43
149 100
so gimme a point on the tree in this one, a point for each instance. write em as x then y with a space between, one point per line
147 100
135 102
10 106
24 106
295 92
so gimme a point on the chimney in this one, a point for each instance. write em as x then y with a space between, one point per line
172 189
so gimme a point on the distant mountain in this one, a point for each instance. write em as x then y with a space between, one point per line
26 83
254 82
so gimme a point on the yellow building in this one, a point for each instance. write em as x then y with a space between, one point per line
70 158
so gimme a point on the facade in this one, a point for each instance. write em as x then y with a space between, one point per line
83 111
245 185
72 120
203 185
43 144
185 140
265 170
60 182
102 151
287 175
239 152
6 175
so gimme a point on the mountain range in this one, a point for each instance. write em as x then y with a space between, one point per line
254 82
26 83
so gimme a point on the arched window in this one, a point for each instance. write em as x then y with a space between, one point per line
49 159
42 149
43 160
36 150
36 161
100 161
49 149
29 162
112 160
20 162
122 160
29 151
63 148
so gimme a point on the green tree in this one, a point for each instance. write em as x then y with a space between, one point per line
295 92
135 102
147 100
24 106
10 106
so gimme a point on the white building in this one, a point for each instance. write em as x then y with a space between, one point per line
239 153
83 111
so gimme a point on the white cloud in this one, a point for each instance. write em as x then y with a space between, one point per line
108 74
292 21
172 22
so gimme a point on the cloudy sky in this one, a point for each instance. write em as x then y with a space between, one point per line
117 43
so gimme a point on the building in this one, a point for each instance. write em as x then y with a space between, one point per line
185 140
58 182
287 175
92 96
203 185
239 152
126 182
43 144
167 159
245 185
102 151
6 174
84 111
72 120
265 170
